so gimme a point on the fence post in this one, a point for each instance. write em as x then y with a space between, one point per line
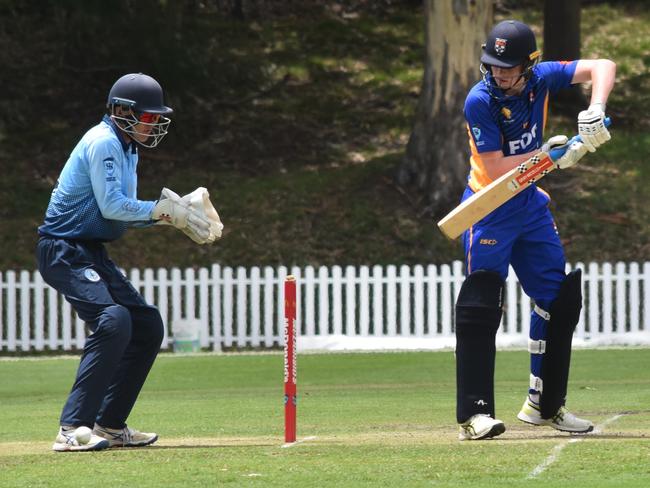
635 304
269 281
391 300
310 302
446 300
620 280
607 299
255 306
405 300
39 311
350 301
227 307
418 300
25 319
364 302
216 307
242 307
323 301
163 305
337 300
377 301
204 305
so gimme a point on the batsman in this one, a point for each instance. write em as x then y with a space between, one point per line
506 114
94 202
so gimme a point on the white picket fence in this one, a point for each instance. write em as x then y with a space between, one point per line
406 307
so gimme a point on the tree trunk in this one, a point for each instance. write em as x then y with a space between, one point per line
437 155
562 42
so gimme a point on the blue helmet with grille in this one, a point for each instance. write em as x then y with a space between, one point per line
510 43
136 105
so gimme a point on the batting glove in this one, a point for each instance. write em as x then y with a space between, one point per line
564 153
554 142
591 126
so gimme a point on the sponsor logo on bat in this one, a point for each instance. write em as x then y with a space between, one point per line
534 171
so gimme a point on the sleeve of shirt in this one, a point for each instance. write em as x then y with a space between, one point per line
484 130
557 74
106 176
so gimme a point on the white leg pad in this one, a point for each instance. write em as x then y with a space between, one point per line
536 383
542 313
536 346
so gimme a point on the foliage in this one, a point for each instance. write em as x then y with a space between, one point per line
295 122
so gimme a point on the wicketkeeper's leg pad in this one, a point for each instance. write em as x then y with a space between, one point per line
564 316
478 315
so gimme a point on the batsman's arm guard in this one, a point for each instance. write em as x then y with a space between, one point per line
556 360
478 315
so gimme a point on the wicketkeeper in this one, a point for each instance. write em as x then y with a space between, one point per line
506 113
95 201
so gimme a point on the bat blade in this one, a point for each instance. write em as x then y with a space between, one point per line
495 194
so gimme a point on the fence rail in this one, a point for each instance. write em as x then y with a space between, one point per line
242 308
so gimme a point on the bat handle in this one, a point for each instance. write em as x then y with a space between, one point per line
558 152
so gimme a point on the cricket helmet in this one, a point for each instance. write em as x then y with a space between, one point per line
510 43
143 111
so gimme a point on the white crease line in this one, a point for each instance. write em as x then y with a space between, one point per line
291 444
558 449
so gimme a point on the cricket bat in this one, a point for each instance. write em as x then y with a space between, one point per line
502 189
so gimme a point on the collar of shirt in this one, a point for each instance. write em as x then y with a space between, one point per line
117 131
527 93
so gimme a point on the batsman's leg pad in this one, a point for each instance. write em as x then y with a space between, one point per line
478 314
565 313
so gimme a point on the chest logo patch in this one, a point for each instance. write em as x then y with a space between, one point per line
506 112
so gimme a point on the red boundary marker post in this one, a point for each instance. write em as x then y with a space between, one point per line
290 397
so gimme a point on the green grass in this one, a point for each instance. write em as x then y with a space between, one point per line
373 419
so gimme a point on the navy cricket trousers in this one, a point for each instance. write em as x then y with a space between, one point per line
126 332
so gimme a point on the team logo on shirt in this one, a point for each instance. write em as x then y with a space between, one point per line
477 136
91 275
507 113
109 164
500 45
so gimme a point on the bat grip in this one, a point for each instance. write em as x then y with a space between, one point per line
558 152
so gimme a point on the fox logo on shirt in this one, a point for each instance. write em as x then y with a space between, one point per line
527 138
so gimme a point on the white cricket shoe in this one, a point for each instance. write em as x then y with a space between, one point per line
125 437
563 420
66 441
480 426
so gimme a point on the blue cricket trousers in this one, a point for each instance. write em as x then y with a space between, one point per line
126 332
521 233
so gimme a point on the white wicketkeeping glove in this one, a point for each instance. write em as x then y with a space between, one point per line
172 210
199 202
591 126
573 153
